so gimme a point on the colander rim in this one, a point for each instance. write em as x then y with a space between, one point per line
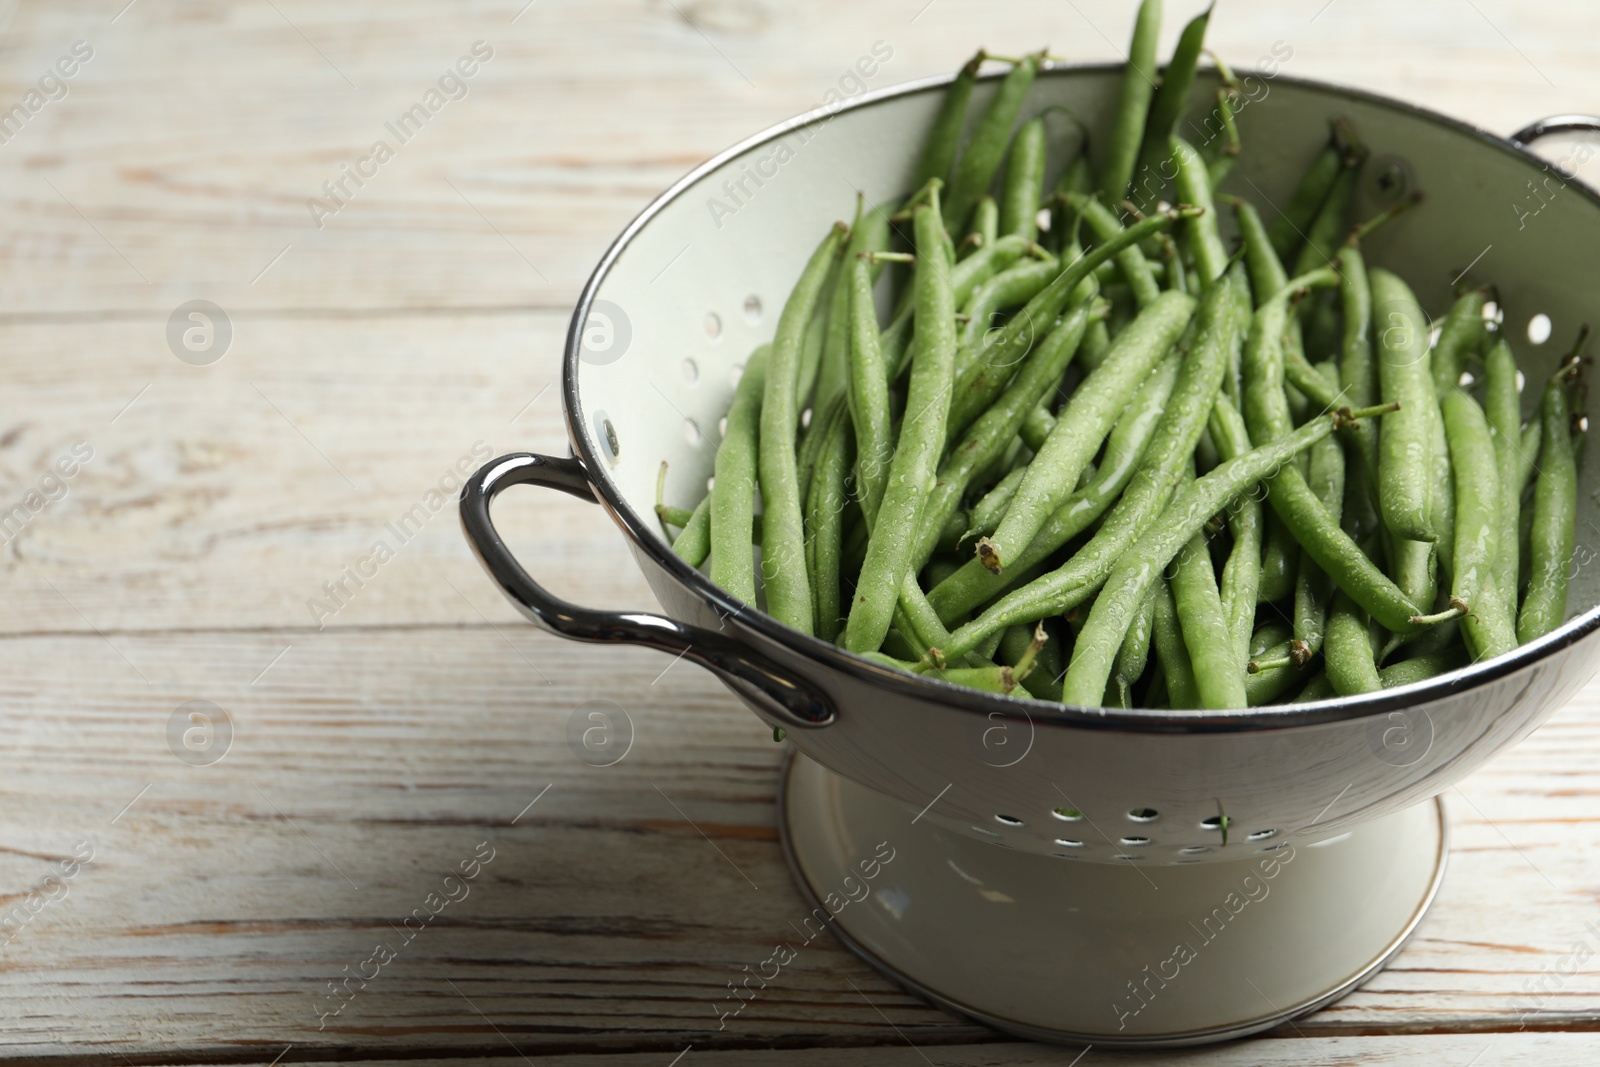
1271 717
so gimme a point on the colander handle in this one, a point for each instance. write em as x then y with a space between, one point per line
1553 125
782 694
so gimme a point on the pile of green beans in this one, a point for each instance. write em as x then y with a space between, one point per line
1113 452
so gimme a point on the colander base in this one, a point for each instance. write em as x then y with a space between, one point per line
1070 951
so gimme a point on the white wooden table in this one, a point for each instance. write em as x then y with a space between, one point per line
373 748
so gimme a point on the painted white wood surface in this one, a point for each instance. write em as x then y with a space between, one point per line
422 319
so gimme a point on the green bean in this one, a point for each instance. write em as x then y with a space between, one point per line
985 222
1288 229
898 339
825 521
812 441
869 234
1528 455
1555 504
984 153
1503 408
733 488
693 543
1276 673
1267 275
671 516
783 571
989 436
1084 424
1133 104
1441 498
1330 224
816 337
938 159
1166 635
922 435
1206 635
1309 522
991 507
1171 101
1319 688
1157 472
1421 668
1104 225
1036 427
1077 178
1405 447
1024 188
1461 334
1184 516
1489 624
1358 385
1313 590
1134 655
1015 285
1096 343
869 397
1194 187
1241 576
1347 649
1130 443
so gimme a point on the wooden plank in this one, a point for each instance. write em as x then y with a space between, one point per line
366 764
180 163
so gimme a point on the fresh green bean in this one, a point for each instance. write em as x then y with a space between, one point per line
1312 527
783 570
1103 223
1555 509
1503 408
1330 224
1405 447
1313 590
938 159
1358 385
1184 516
1024 188
1489 625
1288 229
997 427
1206 634
1461 334
1133 105
816 336
1077 178
1084 424
1171 101
1421 668
825 521
985 222
1194 187
1347 649
1036 427
1274 674
1267 275
733 488
898 340
869 234
1132 443
1134 655
1319 688
869 396
693 543
1015 285
984 153
1166 635
922 436
1528 457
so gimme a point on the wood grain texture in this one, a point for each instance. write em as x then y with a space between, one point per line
366 764
373 754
